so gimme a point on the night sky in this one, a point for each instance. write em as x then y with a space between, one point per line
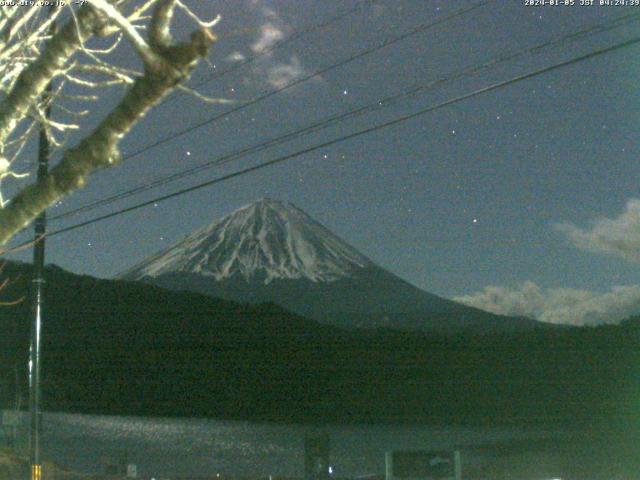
521 199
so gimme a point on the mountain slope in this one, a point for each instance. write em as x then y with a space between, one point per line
272 251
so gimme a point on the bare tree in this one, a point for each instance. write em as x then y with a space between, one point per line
34 57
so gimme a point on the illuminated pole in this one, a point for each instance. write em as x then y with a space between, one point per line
35 351
35 416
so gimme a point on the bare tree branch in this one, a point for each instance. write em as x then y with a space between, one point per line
34 79
168 66
144 50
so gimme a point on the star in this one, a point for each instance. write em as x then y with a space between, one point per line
345 92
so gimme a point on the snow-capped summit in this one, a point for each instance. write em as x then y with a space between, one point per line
271 251
263 241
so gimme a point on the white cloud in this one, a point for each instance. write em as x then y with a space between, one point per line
619 236
236 57
272 68
270 34
281 74
562 305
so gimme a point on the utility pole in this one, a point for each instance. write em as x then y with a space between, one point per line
35 414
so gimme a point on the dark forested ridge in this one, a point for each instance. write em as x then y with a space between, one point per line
129 348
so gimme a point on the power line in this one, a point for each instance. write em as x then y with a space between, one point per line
419 29
281 43
382 103
359 133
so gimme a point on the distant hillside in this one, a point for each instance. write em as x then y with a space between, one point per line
129 348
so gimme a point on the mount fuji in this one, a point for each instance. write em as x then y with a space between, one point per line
271 251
